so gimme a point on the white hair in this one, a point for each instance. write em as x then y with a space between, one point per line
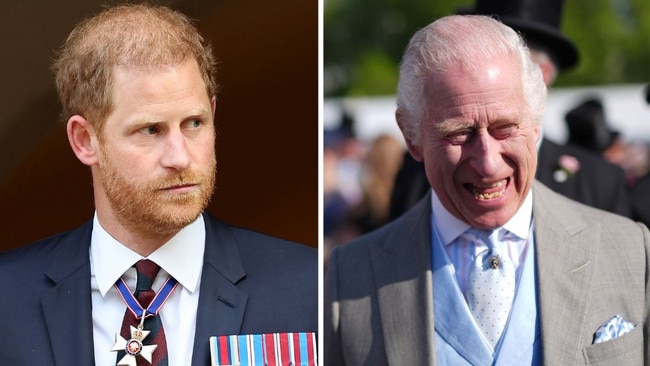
460 40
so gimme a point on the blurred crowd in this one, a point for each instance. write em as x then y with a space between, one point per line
589 127
358 179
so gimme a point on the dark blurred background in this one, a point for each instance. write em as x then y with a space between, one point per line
267 117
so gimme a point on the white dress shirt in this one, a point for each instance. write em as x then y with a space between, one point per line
181 257
449 228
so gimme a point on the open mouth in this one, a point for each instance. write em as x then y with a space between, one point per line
486 192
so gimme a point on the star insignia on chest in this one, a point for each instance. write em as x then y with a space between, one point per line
133 347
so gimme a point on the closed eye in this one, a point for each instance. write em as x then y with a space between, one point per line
460 137
503 131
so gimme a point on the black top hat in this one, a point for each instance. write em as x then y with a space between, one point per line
539 23
588 127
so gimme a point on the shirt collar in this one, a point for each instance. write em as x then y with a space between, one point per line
181 256
449 227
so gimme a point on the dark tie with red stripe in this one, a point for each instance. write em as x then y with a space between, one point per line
147 271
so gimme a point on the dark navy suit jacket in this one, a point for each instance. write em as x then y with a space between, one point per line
597 183
251 283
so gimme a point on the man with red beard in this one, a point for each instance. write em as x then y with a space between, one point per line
491 267
138 92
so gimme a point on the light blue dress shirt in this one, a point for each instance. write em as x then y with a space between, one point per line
458 339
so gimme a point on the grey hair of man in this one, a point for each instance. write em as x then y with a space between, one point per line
460 40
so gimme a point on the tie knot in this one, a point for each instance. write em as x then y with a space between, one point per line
147 272
488 237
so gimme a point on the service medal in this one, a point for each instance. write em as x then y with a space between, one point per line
133 347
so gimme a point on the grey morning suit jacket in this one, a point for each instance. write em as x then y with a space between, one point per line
591 265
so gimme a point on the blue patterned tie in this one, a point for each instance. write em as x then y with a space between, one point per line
146 272
491 286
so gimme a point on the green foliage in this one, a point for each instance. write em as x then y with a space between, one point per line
374 74
360 32
364 40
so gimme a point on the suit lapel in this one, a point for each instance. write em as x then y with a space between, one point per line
221 304
402 269
67 305
564 248
454 322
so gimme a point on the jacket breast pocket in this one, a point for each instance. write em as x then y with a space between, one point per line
624 350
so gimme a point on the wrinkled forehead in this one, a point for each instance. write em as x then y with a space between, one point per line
492 77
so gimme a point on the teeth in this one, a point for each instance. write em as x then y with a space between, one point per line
493 185
489 196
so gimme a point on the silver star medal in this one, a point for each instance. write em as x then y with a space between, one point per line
133 347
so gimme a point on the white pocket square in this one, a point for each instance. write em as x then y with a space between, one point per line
614 328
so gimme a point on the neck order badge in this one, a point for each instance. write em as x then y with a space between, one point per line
134 346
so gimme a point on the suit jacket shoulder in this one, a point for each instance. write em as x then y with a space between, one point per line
42 253
47 287
591 266
378 294
285 264
253 283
